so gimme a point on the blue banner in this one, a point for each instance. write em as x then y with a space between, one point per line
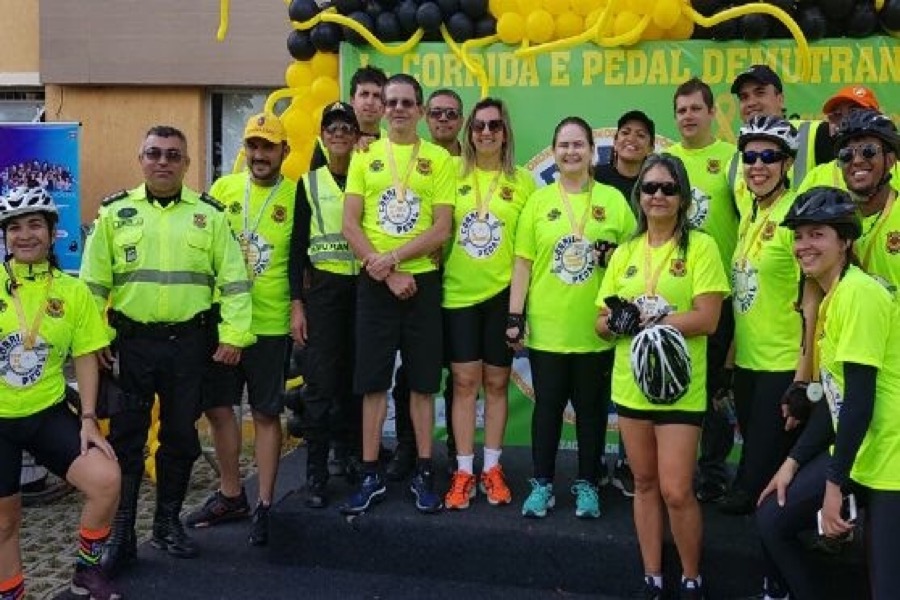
46 155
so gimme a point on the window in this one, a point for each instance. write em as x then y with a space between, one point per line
22 105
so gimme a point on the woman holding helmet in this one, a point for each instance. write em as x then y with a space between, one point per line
46 316
660 298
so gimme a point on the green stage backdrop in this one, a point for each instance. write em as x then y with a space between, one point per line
601 84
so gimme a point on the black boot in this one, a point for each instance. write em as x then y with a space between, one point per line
172 477
121 547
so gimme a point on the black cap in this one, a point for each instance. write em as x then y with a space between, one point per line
339 111
761 73
640 116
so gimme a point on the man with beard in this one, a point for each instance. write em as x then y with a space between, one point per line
260 206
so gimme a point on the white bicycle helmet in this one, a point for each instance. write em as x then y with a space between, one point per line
774 129
24 200
661 364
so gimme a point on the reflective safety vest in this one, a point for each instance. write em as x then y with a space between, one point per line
158 264
328 249
803 163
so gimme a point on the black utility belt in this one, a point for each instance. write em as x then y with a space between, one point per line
128 327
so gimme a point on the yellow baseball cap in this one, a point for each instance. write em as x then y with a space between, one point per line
267 126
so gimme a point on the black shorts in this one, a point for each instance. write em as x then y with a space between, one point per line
52 437
478 332
386 324
261 369
662 417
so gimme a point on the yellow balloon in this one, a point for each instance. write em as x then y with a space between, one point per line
586 7
557 7
298 73
526 7
511 28
666 13
299 124
653 32
625 22
325 89
294 166
501 7
645 7
683 29
568 24
325 64
539 27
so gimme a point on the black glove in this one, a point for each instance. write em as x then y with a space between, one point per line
798 403
624 317
515 321
603 249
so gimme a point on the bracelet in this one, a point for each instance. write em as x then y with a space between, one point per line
89 416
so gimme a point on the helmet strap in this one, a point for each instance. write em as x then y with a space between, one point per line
781 183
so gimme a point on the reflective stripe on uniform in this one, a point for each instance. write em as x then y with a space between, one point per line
237 287
164 278
801 165
99 290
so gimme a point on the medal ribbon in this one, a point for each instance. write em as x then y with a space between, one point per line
820 329
872 236
577 227
248 231
29 335
400 186
749 242
482 204
651 276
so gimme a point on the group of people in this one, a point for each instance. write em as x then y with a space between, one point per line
676 285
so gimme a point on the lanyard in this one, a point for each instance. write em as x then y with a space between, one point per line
577 228
29 335
748 242
400 186
651 276
482 204
872 236
820 329
247 229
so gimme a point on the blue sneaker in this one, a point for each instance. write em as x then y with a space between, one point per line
422 487
587 502
370 491
539 500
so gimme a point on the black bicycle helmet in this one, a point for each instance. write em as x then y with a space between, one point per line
867 123
661 364
774 129
825 205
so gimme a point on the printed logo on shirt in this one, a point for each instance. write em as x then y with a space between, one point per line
573 260
376 166
279 213
127 212
56 308
630 272
423 166
20 367
130 253
506 193
713 166
652 306
554 214
832 394
745 285
892 245
3 306
235 208
768 231
464 189
200 220
129 222
398 217
480 238
257 253
698 211
677 267
598 213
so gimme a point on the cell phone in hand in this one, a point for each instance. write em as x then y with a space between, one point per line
848 512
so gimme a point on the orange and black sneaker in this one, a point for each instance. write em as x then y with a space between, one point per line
461 492
493 485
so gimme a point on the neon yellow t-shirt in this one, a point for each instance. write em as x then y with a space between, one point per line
867 336
879 247
564 276
764 280
712 206
389 222
32 379
262 223
479 262
680 280
831 175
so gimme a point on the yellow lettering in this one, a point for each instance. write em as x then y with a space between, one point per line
635 67
431 70
713 66
410 65
614 60
507 70
677 76
559 68
865 66
452 76
890 61
592 64
658 73
818 56
469 77
841 64
735 62
529 74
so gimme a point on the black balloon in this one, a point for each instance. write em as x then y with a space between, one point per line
300 46
890 15
475 9
326 37
460 27
812 22
836 10
374 9
302 10
863 21
363 19
485 26
406 16
428 16
707 8
754 27
347 7
387 27
448 7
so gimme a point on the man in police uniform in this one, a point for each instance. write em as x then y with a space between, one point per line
260 209
154 259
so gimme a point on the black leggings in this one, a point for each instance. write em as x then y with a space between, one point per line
585 379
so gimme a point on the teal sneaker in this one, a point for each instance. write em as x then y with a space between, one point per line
539 501
587 502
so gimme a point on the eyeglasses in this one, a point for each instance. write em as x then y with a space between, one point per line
451 114
867 151
336 128
493 125
668 188
401 102
156 154
768 157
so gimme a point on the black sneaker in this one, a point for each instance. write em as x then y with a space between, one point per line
650 591
92 582
217 509
691 589
422 487
736 502
316 494
371 490
710 491
623 479
337 462
259 527
773 590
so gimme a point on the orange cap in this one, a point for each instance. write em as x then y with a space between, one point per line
859 95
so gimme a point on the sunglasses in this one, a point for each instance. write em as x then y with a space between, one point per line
867 151
493 125
451 114
336 128
668 188
401 102
156 154
768 157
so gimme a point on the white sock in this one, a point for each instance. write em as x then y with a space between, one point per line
491 458
657 580
698 579
465 463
